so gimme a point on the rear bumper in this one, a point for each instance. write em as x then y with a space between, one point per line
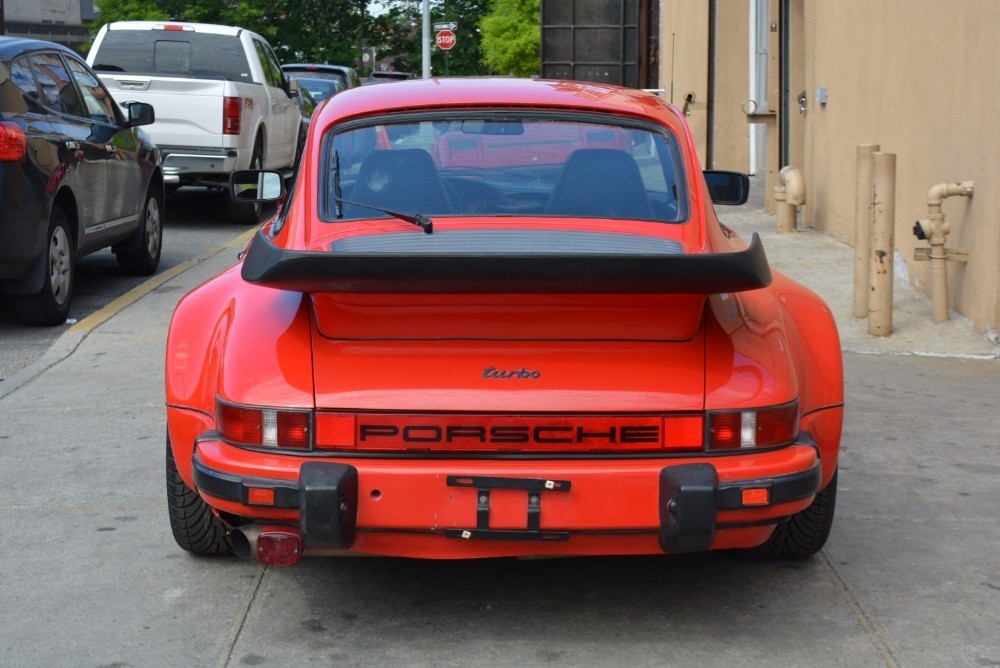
446 508
193 165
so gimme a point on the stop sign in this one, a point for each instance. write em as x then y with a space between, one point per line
445 39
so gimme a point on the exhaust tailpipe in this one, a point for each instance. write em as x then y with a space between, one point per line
244 541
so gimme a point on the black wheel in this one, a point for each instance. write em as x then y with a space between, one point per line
247 214
144 260
195 526
805 532
50 305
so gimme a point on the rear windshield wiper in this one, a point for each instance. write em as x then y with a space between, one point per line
418 219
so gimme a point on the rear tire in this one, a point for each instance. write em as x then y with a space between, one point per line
246 214
146 258
805 532
50 305
194 525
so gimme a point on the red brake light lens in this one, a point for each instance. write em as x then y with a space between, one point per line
13 145
265 427
232 110
736 430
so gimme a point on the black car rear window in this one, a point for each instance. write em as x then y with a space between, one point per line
316 74
169 52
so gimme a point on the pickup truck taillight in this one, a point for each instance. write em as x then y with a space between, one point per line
768 427
13 145
232 110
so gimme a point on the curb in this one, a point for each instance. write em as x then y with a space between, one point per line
70 340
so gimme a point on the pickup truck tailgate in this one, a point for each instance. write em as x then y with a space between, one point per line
188 111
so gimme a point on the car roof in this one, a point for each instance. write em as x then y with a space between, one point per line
196 27
11 46
479 92
317 67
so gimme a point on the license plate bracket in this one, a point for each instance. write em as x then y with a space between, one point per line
533 486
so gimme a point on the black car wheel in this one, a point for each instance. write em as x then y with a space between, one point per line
247 214
194 525
805 532
144 260
50 305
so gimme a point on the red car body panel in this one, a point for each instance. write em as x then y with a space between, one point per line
475 378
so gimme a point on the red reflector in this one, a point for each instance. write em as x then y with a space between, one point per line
335 431
293 430
13 145
279 546
683 432
259 496
232 110
240 425
757 496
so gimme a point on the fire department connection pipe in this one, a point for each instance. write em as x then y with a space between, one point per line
789 194
936 230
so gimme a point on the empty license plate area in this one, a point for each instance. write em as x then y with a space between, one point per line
491 490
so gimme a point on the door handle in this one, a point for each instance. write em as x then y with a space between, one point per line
72 145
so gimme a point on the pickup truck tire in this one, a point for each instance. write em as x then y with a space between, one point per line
194 525
805 532
144 260
50 305
247 214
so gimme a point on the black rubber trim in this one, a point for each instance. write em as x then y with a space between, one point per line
784 489
234 488
456 272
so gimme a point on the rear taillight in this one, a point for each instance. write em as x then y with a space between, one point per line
265 427
761 428
232 111
13 145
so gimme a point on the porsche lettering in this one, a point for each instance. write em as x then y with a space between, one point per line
540 434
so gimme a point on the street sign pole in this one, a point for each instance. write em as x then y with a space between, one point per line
425 31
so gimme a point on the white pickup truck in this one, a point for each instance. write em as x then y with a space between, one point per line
222 102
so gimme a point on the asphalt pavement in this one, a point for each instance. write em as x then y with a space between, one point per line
90 575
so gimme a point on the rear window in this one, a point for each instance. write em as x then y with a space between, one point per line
505 164
173 53
317 74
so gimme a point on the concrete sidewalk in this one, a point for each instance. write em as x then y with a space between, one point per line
826 266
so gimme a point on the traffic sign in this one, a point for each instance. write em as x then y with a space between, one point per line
445 39
446 26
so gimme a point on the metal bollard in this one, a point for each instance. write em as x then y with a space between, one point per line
863 229
883 243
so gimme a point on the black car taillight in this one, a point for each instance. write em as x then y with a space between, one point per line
13 145
759 428
232 110
264 427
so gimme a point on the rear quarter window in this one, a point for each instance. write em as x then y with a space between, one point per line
173 53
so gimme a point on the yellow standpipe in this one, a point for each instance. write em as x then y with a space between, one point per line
935 230
789 194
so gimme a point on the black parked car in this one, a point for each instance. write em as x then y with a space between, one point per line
76 176
347 76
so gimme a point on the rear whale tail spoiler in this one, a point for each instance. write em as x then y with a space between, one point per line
505 261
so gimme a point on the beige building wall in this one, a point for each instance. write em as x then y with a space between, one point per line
918 77
684 61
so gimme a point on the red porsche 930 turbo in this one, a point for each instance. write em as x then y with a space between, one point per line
500 318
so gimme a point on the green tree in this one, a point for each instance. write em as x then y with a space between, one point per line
127 10
397 33
512 37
